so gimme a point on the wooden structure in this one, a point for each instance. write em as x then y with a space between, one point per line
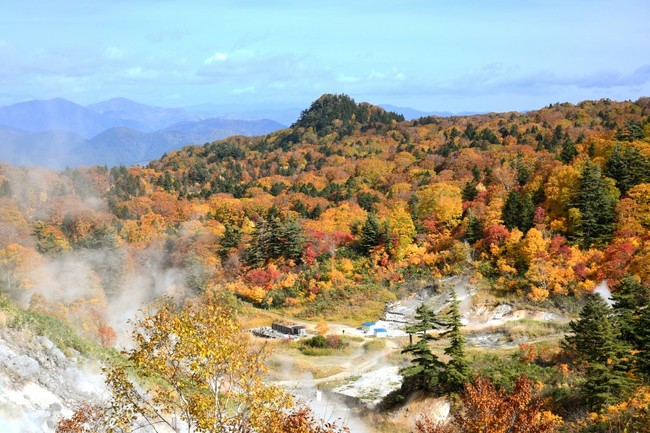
289 329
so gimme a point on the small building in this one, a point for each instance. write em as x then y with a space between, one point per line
367 326
289 329
380 332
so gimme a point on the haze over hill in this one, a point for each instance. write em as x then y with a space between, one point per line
59 133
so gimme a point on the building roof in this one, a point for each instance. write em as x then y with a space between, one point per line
368 324
380 330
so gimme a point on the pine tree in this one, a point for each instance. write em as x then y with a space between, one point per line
372 234
293 240
474 230
628 167
425 368
631 301
456 372
596 201
569 151
518 211
643 340
469 191
598 345
273 239
230 239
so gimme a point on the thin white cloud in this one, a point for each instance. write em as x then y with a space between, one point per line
215 58
114 53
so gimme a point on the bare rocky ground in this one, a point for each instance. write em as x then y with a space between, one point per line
40 384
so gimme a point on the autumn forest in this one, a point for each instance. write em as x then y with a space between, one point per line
353 207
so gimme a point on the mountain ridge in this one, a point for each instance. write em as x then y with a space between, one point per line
57 133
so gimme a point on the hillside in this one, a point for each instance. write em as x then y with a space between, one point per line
351 208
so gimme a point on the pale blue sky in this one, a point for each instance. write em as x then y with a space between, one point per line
431 55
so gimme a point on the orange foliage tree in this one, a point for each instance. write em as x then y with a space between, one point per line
487 409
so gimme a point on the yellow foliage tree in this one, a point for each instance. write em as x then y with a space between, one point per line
15 263
201 370
322 328
444 201
533 245
401 226
560 187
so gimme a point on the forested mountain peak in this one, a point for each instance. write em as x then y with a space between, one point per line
338 114
332 111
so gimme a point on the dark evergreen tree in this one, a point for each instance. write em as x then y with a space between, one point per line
631 300
595 339
293 240
643 341
199 173
596 200
633 130
299 206
569 151
273 239
469 191
518 211
425 369
230 239
489 136
316 212
470 131
628 167
276 189
368 201
456 372
372 234
474 230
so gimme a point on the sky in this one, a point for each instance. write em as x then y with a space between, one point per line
429 55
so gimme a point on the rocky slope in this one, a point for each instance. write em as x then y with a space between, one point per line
40 384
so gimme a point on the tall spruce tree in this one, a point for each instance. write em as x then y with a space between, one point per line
474 230
597 342
569 151
631 302
643 339
628 167
274 239
596 201
456 372
372 234
425 369
518 211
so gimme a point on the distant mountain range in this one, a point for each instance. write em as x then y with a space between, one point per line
411 113
59 133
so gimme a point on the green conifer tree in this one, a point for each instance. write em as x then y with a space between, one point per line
628 167
596 201
425 368
631 301
643 341
456 372
518 211
569 151
595 339
372 234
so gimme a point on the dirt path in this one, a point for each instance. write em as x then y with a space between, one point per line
353 365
